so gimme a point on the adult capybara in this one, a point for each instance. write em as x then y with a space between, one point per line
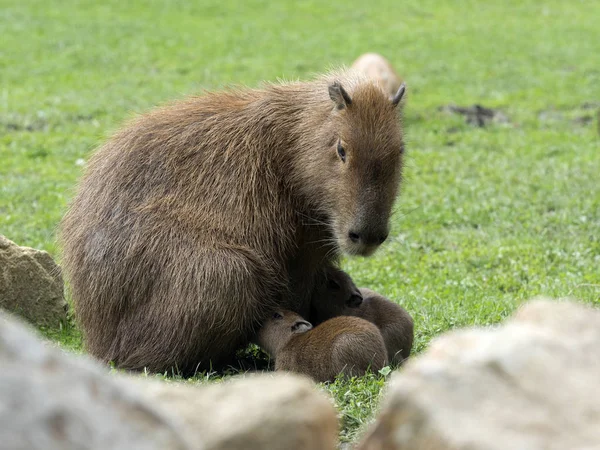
342 345
379 69
345 299
197 219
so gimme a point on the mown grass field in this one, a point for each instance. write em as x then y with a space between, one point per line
489 217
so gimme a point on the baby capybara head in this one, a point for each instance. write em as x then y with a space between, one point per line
340 296
363 166
279 328
342 289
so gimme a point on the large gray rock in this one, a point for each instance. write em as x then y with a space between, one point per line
50 400
271 412
31 284
533 383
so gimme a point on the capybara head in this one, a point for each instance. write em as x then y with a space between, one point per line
279 328
363 165
342 289
340 295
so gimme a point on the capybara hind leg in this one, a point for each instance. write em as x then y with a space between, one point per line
200 311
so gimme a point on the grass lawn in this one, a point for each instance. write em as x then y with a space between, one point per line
488 217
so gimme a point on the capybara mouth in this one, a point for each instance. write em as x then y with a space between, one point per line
350 245
357 249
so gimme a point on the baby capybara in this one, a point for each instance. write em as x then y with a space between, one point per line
198 219
395 324
342 345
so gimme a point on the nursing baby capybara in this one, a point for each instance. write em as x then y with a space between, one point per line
380 70
198 219
342 345
345 299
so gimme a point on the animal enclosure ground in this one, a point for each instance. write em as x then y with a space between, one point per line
488 217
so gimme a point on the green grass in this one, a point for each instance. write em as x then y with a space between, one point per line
488 217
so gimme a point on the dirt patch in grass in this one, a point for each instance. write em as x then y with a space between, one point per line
477 115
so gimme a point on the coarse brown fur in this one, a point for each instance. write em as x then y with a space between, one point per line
334 288
394 322
379 69
342 345
198 218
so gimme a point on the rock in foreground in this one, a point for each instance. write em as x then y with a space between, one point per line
50 400
533 383
272 412
31 285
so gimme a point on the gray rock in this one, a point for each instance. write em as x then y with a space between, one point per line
533 383
31 285
50 400
272 412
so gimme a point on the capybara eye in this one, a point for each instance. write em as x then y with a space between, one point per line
277 316
341 151
333 285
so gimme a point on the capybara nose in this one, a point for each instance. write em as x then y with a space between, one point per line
367 238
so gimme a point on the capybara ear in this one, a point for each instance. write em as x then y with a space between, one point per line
355 300
399 94
301 326
339 95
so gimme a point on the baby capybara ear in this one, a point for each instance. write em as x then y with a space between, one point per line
355 300
301 326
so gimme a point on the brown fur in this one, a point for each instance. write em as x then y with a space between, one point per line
335 290
342 345
198 218
379 69
394 322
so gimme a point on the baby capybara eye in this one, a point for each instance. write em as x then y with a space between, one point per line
277 316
